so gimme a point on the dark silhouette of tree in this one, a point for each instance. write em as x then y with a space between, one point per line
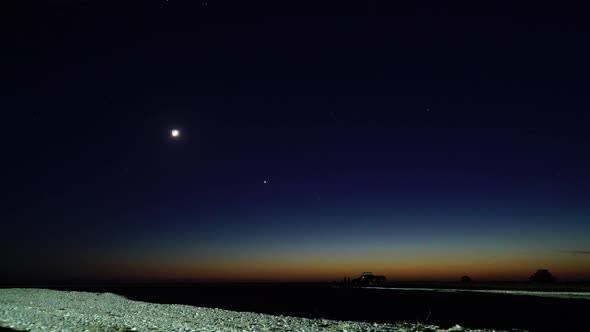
466 279
542 275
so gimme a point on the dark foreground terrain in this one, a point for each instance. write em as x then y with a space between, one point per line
473 310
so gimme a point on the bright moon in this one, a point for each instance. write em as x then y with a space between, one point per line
175 133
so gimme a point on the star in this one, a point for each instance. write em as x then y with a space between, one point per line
175 133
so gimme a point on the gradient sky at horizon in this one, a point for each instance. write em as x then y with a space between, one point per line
421 142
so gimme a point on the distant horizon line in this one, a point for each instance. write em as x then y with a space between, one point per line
130 281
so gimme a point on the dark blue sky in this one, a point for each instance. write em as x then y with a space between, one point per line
418 141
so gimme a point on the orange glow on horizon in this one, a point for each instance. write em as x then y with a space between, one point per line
323 269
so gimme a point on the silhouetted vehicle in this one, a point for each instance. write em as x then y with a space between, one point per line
367 278
542 276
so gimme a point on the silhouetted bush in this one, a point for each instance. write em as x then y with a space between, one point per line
543 276
466 279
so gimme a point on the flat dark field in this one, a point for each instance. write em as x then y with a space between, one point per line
470 309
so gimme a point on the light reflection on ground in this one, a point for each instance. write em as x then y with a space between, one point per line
565 295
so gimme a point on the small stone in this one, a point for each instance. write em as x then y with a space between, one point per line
456 328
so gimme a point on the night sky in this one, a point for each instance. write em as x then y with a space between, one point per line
317 141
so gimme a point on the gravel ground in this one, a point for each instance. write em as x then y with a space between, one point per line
51 310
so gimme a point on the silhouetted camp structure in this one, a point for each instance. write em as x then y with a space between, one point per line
466 279
367 278
543 276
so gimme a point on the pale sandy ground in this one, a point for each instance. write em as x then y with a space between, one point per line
50 310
